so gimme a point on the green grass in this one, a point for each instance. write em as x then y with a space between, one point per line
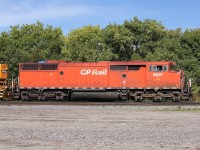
179 108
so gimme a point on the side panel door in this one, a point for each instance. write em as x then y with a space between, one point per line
124 76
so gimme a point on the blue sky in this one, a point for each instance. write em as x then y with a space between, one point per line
73 14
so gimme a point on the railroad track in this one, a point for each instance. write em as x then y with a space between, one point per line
92 103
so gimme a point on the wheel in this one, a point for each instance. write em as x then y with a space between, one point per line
43 98
176 99
157 99
39 98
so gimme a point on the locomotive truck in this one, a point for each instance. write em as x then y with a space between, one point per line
123 80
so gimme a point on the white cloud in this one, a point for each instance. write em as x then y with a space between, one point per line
24 12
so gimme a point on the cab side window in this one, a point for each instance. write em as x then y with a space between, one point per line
158 68
165 68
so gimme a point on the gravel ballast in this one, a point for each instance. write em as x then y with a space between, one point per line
99 127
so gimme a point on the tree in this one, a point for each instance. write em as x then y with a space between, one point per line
29 43
190 54
167 47
41 43
145 36
85 44
118 39
11 55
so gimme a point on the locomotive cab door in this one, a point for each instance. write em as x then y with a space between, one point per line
124 76
62 73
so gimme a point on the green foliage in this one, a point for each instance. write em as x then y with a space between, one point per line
118 39
196 93
189 54
85 44
146 36
167 47
178 108
41 43
29 43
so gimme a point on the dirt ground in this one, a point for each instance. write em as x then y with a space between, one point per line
97 127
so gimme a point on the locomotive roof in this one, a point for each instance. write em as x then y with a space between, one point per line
140 62
103 63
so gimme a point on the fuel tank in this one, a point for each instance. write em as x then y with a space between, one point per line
95 95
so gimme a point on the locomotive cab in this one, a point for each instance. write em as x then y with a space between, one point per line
159 75
166 81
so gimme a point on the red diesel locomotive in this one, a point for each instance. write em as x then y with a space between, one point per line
125 80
